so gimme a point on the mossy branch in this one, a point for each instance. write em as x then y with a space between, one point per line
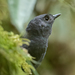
11 55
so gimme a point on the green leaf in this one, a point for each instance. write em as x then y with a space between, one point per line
20 11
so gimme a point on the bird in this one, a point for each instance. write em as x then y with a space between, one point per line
38 31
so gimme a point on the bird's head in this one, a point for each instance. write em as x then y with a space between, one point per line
41 25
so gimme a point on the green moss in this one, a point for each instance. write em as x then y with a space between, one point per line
11 55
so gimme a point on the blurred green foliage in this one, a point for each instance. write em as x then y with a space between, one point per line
60 57
12 57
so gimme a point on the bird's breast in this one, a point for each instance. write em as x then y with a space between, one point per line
37 48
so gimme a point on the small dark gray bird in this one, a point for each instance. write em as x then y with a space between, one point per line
38 31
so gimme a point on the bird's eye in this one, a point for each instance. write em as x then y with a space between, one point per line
46 17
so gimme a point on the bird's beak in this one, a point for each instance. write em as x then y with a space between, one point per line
56 15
